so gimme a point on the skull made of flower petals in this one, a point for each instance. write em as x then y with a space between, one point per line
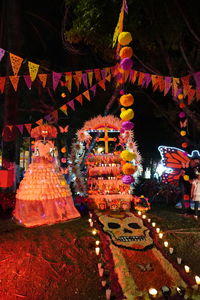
128 232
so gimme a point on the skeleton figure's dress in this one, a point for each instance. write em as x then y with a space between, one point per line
43 196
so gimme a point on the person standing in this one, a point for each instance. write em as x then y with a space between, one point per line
195 194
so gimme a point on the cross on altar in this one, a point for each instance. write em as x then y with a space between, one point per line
106 139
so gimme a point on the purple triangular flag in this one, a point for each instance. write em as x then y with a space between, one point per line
48 117
93 89
167 85
197 79
146 80
2 52
28 81
56 77
85 79
103 73
71 104
125 6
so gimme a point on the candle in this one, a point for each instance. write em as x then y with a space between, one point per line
187 269
157 230
197 279
179 259
144 217
94 232
97 250
160 235
149 220
103 283
153 292
153 224
101 272
97 243
139 213
89 220
171 250
91 224
108 294
90 214
166 244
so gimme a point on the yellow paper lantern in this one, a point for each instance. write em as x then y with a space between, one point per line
127 155
126 100
183 133
126 52
126 114
186 177
124 38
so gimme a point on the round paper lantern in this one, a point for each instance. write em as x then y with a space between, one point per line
184 145
181 115
121 92
126 100
127 125
63 160
180 97
127 179
182 132
128 169
63 95
124 38
63 150
186 197
127 155
182 105
126 52
126 114
126 64
186 177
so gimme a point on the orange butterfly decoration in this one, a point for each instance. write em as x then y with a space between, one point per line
64 130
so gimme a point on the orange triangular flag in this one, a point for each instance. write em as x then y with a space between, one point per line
140 78
186 90
87 95
97 74
102 84
90 77
14 80
134 76
191 95
16 62
64 109
76 79
155 82
39 122
10 127
79 99
161 83
79 76
33 70
43 79
68 78
28 127
175 84
107 70
108 78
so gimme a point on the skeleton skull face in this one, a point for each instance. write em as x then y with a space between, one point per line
128 232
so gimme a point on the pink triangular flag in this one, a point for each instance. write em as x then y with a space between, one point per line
2 52
28 81
71 104
20 127
85 80
93 89
168 84
103 73
197 79
146 80
56 77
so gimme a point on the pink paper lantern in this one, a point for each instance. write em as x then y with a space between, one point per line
181 115
127 125
128 179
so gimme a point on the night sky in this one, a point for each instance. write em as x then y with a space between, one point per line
40 42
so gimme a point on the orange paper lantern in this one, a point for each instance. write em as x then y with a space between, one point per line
126 100
63 150
180 97
126 52
182 105
184 145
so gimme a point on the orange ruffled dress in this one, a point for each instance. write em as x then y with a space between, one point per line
44 196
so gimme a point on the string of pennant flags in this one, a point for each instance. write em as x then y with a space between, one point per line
87 94
188 85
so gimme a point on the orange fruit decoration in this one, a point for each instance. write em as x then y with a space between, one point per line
126 100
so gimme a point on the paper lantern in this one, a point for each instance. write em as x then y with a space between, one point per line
126 64
186 197
184 145
180 97
63 95
182 132
121 92
63 160
186 177
127 125
128 169
124 38
127 179
182 105
181 115
126 52
126 100
126 115
63 150
127 155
